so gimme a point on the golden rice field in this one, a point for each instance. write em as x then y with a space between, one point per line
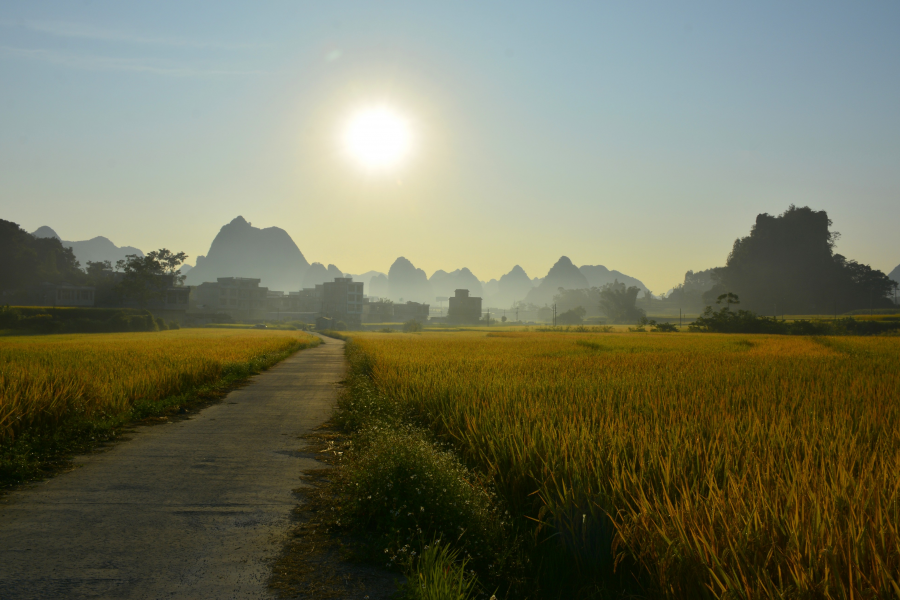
44 379
717 466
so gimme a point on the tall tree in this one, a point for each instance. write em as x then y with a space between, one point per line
146 278
787 264
618 303
26 261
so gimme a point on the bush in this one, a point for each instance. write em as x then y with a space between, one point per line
574 316
9 317
405 491
412 326
725 320
79 320
411 497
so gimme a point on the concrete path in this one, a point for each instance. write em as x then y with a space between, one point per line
194 509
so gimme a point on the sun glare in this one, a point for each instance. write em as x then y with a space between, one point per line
378 138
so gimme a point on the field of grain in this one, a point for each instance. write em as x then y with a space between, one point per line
718 466
46 379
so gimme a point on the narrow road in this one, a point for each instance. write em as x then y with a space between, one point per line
194 509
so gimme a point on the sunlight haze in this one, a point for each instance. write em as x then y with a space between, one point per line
643 138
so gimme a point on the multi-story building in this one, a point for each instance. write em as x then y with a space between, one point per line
239 297
172 302
464 310
342 300
309 300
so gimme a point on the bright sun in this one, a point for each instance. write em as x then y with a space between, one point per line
378 138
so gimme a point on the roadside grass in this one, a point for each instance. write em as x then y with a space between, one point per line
410 505
632 465
63 395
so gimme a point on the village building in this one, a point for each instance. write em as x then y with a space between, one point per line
239 297
342 300
63 294
377 311
411 311
464 309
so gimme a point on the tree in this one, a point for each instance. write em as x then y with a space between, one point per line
574 316
147 277
788 262
568 299
98 269
618 303
27 261
100 275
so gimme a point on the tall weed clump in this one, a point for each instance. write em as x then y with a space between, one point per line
418 505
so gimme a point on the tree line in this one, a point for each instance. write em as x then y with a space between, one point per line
786 265
27 262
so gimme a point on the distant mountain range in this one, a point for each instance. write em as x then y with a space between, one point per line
895 274
95 249
269 254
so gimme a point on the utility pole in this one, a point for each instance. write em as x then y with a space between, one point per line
554 314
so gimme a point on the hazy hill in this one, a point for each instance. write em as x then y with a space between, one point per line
95 249
366 278
895 274
317 274
445 284
561 275
510 288
378 286
409 283
598 276
241 250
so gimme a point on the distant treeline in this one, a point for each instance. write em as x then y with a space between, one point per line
726 320
28 262
38 319
787 265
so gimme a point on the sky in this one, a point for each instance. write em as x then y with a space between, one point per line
645 137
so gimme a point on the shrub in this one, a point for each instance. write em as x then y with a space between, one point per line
404 491
407 492
412 326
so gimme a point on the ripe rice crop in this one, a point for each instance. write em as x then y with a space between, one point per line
698 465
46 379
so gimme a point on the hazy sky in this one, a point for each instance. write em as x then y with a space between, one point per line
644 137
